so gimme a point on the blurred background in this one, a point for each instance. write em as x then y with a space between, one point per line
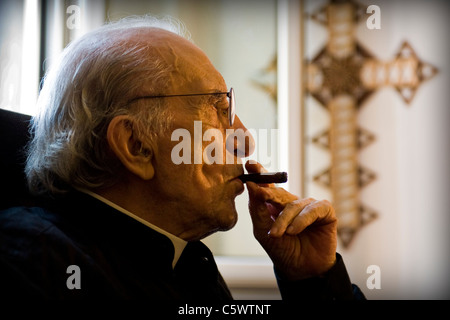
351 98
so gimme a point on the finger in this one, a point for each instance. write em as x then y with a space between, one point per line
290 212
276 196
265 204
260 212
279 197
316 212
256 194
256 167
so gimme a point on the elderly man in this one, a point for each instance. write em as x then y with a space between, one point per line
117 217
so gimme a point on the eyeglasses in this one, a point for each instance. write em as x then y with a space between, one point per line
230 95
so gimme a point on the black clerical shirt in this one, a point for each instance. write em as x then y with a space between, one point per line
117 256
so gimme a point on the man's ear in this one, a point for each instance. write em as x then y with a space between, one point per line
131 152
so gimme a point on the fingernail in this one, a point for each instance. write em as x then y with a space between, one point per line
272 232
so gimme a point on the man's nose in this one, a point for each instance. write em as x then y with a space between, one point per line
243 143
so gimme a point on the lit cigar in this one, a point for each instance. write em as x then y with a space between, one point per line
265 177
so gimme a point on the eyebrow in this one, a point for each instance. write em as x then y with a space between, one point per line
216 96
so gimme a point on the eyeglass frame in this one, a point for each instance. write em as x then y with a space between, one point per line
230 95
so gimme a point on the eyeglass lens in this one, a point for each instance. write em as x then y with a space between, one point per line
232 111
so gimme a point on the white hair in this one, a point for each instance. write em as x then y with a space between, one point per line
83 91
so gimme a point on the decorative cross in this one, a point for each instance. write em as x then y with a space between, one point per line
341 77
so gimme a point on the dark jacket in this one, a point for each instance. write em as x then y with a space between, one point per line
117 257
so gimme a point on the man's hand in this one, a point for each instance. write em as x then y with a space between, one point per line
298 235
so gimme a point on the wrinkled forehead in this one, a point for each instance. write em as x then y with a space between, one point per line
191 70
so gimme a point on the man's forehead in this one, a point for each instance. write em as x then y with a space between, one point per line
191 69
164 41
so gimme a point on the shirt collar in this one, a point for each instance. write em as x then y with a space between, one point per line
178 243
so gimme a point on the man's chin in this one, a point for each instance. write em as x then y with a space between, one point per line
228 220
225 224
231 224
